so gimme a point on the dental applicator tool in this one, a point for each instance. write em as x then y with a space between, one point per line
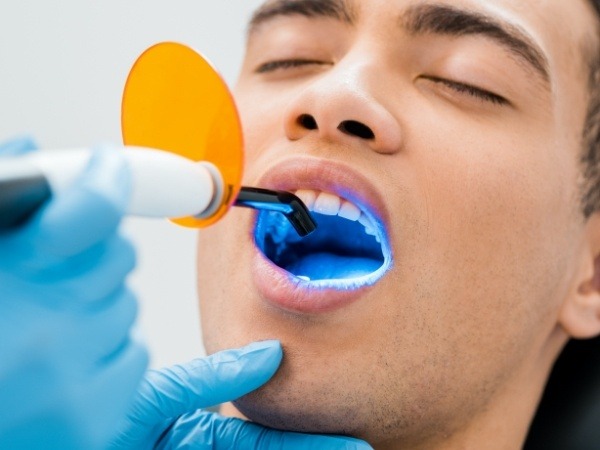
163 185
280 201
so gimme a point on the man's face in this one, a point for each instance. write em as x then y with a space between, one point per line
453 126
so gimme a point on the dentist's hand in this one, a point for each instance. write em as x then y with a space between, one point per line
166 412
68 368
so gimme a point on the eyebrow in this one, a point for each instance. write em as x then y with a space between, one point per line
451 21
426 18
333 9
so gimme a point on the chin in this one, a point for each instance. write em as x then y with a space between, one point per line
283 406
317 395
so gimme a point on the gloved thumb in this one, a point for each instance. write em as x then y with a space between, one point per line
204 382
17 146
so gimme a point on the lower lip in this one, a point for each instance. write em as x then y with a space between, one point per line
283 290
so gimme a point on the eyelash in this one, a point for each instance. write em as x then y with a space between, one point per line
473 91
272 66
461 88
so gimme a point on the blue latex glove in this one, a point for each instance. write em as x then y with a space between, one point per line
68 368
166 412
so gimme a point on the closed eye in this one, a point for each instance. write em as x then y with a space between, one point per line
470 90
283 64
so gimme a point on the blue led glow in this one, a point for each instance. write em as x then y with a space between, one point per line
281 236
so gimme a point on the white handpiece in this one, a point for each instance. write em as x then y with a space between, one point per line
164 184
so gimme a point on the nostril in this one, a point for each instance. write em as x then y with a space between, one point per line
307 121
354 128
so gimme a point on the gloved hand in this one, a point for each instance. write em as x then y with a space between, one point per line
68 367
166 411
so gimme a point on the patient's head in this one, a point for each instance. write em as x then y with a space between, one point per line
444 147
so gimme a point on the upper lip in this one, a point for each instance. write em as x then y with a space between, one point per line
328 176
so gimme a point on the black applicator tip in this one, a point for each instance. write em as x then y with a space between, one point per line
281 201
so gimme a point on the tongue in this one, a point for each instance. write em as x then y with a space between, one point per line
328 266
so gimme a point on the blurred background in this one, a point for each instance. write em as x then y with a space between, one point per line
63 65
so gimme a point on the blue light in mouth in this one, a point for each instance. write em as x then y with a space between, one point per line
338 255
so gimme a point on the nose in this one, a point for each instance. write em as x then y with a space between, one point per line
343 105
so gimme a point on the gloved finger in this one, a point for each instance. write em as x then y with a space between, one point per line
91 276
84 283
102 333
87 212
116 258
119 377
18 146
82 341
237 434
203 382
206 431
131 357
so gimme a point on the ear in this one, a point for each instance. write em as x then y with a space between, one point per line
580 315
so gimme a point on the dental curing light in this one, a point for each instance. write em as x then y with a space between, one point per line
184 148
163 185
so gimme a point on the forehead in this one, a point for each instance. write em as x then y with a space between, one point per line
551 34
557 14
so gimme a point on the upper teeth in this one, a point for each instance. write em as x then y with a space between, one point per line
332 205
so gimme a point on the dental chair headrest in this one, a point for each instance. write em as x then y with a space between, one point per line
568 417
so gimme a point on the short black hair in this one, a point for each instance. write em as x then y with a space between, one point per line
591 154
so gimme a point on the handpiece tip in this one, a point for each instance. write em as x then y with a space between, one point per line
301 219
281 201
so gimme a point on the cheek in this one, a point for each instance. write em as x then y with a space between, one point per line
223 276
496 184
497 217
262 113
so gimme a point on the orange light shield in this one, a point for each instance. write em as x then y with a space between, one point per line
174 100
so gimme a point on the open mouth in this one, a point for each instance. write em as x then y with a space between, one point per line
348 250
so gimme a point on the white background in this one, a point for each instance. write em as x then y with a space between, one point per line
63 65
